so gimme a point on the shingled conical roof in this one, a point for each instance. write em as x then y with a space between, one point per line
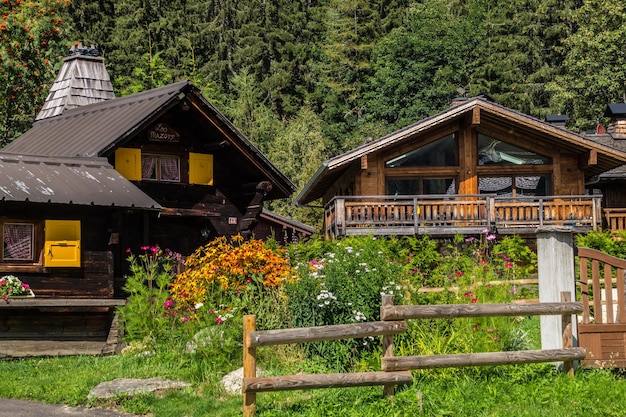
82 79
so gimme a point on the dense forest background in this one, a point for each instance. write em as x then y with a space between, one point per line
308 79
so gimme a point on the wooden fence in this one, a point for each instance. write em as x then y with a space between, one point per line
396 370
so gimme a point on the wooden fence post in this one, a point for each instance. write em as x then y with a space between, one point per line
555 262
388 390
249 365
566 325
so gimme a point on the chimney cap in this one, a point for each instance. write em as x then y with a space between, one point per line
83 51
557 118
615 110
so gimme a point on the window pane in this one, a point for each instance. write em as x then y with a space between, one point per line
439 186
515 185
403 186
495 152
442 152
18 241
170 170
148 167
413 186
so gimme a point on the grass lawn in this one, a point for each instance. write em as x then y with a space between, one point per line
522 390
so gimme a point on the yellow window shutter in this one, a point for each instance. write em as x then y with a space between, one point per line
62 245
128 163
200 168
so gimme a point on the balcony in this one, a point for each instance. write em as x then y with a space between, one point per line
445 215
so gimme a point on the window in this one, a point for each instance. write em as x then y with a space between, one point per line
162 168
420 185
495 152
515 185
18 241
442 152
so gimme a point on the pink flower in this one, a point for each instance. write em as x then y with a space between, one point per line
508 265
470 239
468 294
25 286
168 304
474 300
490 237
210 311
459 273
218 320
483 261
127 250
184 319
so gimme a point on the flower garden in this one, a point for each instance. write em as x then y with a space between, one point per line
188 326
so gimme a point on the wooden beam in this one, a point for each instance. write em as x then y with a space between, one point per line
364 161
181 212
589 158
61 302
406 363
477 310
295 382
476 116
319 333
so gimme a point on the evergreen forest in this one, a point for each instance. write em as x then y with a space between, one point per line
308 79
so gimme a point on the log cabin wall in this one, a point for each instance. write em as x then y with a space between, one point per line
94 277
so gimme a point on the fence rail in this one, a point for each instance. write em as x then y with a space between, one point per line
396 370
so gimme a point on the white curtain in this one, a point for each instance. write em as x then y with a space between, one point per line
169 168
148 163
18 241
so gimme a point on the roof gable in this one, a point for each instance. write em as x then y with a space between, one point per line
476 111
97 129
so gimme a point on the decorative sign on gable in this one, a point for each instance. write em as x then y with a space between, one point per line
161 132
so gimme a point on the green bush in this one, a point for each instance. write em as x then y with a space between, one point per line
344 285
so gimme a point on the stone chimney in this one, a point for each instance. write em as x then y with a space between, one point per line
617 125
82 79
558 120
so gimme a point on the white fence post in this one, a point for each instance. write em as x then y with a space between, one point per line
555 257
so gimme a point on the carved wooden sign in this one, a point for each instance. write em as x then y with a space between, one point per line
161 132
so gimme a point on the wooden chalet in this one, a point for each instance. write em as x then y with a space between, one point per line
475 166
96 175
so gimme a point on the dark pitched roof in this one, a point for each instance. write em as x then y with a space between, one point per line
91 130
288 222
97 129
80 181
333 168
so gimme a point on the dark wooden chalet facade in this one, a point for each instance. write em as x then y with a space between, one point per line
96 175
475 166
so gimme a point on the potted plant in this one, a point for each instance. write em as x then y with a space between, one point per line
12 287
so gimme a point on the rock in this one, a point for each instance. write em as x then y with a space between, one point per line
233 381
130 386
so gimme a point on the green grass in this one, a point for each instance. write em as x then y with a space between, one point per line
522 390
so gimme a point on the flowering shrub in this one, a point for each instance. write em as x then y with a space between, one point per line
344 285
145 313
222 267
12 286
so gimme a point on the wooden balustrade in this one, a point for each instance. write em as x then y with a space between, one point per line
458 214
615 219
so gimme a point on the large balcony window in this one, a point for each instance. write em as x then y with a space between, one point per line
442 152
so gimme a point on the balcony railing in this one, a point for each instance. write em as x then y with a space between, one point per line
458 214
615 219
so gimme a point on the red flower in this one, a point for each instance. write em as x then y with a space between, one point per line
474 300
